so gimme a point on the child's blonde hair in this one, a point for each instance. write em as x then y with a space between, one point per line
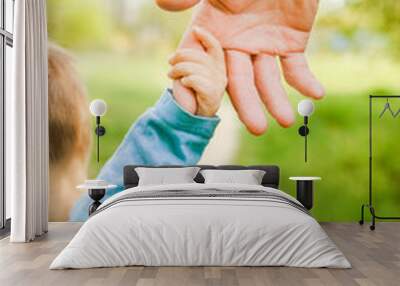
69 132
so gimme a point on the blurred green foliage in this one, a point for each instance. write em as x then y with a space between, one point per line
381 17
169 26
102 24
79 24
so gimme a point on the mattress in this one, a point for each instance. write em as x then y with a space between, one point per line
201 225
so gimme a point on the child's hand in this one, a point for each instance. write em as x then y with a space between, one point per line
202 71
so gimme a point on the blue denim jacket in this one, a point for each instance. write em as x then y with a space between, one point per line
165 134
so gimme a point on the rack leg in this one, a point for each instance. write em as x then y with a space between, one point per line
372 210
361 222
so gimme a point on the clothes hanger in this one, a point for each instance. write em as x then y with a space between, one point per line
387 107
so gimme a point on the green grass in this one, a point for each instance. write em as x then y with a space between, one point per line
338 143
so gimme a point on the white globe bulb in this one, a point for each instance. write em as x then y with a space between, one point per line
98 107
305 107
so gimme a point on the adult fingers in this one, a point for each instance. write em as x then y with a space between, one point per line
299 76
188 68
268 82
209 43
243 93
189 55
176 5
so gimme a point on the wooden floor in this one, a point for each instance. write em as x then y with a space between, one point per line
375 257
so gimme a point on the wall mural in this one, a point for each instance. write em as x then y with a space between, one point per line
221 84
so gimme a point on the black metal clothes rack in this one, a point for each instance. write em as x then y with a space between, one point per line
370 206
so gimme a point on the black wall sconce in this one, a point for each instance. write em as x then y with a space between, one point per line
305 109
98 108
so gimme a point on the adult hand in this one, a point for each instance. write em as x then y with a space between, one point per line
253 33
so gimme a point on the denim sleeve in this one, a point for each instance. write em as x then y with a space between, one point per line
166 134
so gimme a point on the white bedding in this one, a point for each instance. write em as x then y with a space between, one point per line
188 231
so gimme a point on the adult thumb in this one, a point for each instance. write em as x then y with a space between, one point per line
176 5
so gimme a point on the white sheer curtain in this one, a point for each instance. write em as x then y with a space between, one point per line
27 124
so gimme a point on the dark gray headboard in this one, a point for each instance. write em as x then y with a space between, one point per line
271 177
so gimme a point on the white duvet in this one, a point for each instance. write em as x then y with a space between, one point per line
200 231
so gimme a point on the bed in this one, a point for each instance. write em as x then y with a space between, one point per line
201 224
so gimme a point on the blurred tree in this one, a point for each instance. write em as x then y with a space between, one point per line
143 27
380 17
383 16
79 24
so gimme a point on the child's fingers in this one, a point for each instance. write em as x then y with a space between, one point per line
190 55
210 43
187 69
199 84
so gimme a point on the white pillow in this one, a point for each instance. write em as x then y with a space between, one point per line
165 176
248 177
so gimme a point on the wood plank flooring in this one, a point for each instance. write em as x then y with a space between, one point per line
375 257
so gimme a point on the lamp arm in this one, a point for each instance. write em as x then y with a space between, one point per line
305 138
305 148
98 137
99 131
